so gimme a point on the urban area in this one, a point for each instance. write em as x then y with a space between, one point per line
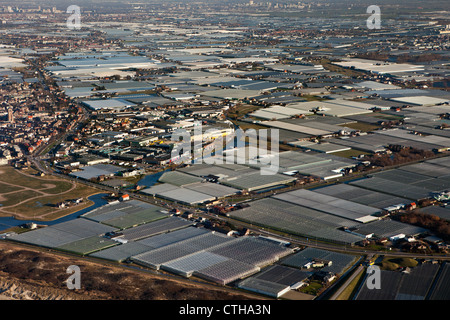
119 152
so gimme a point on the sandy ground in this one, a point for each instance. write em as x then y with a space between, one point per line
28 273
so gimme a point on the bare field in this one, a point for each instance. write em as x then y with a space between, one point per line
13 177
31 196
15 198
27 273
45 206
6 188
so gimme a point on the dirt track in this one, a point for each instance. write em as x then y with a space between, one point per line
27 273
47 186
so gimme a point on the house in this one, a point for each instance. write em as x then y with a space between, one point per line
124 197
77 200
320 263
397 237
324 276
185 215
317 263
132 172
411 206
31 225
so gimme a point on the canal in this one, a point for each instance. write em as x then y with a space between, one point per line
8 222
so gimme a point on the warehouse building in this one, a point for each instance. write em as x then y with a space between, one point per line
188 189
211 256
95 171
113 104
336 263
126 214
379 67
65 234
256 182
296 219
329 204
421 100
275 281
363 196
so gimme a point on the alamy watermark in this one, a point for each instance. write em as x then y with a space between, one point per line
74 281
374 21
74 20
373 280
252 147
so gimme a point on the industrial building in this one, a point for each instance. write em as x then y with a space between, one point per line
126 214
214 257
296 219
329 204
95 171
275 281
415 284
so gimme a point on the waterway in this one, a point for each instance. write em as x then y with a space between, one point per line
150 179
8 222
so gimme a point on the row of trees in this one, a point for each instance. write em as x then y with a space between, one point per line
403 58
399 155
431 222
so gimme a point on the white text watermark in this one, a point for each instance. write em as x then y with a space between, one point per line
74 20
374 21
74 281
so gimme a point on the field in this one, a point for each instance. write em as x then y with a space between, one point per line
396 263
26 195
388 116
349 153
313 288
6 188
26 180
241 110
364 127
43 207
335 68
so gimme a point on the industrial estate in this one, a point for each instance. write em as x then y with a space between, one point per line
96 119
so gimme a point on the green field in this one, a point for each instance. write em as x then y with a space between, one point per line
349 153
387 116
312 288
396 263
364 127
16 197
47 184
24 194
4 188
45 205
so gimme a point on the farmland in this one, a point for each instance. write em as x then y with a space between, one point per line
23 194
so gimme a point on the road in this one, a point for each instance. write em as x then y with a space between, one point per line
347 283
41 192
